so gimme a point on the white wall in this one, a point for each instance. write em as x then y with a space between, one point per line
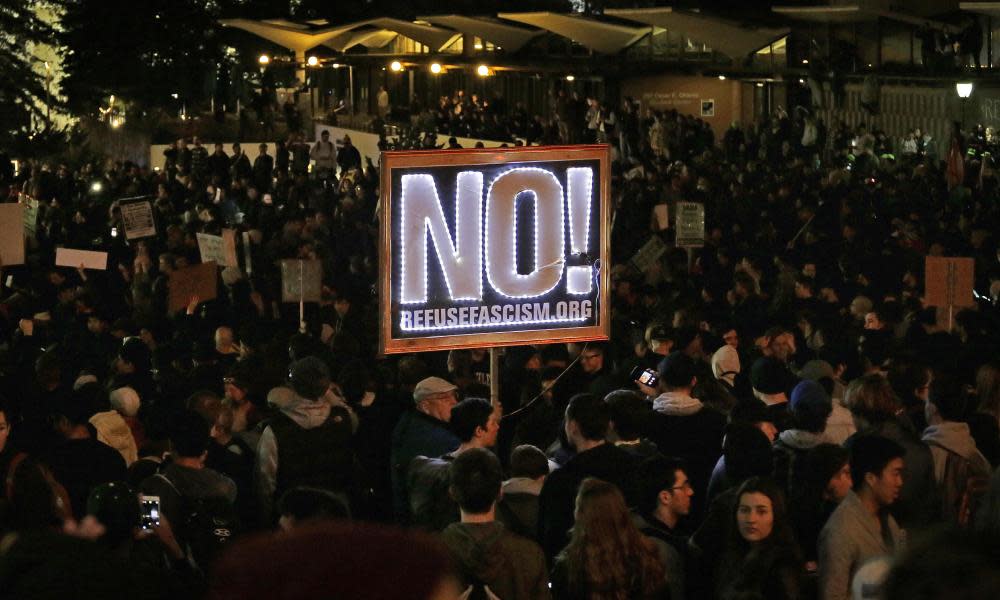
366 143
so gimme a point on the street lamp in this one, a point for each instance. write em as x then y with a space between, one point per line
264 59
435 68
964 90
396 66
312 61
570 78
482 70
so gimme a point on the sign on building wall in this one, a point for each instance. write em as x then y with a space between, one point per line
494 247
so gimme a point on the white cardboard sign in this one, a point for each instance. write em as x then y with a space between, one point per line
70 257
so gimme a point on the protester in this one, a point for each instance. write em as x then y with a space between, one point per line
606 555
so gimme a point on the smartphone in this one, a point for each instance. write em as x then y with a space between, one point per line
645 377
150 511
114 232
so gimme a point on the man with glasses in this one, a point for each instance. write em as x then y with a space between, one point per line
597 379
422 431
664 500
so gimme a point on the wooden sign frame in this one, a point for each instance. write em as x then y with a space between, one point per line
493 158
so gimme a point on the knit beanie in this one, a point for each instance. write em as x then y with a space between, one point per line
809 397
768 375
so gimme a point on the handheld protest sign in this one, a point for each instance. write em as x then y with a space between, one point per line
88 259
138 220
949 282
30 215
690 225
12 226
494 247
197 280
220 249
301 280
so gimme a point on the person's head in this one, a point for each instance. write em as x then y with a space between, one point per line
760 512
664 487
752 411
528 461
726 364
827 472
677 371
224 339
435 397
5 425
877 468
592 358
305 505
476 478
768 376
871 400
947 400
747 452
475 421
779 343
810 406
910 380
133 356
309 377
604 529
628 410
347 560
116 506
587 419
946 565
125 401
189 434
874 321
988 388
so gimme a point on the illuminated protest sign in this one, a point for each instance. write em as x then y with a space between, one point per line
493 247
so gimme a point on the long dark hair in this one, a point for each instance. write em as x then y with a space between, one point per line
607 558
746 566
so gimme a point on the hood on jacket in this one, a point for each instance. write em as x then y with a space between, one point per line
676 404
308 414
953 436
801 439
473 546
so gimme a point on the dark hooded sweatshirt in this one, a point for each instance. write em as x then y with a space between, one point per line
512 566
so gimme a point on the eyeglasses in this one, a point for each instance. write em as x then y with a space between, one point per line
228 381
590 356
684 486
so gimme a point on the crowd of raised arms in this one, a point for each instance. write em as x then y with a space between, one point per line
816 429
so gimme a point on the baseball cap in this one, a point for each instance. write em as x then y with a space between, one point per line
431 386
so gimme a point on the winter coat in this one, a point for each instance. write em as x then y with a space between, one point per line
511 566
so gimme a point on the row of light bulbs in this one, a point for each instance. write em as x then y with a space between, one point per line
396 66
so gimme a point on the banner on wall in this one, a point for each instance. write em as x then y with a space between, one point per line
494 247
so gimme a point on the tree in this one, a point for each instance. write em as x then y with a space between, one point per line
22 87
152 54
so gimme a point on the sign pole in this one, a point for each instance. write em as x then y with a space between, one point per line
302 300
495 376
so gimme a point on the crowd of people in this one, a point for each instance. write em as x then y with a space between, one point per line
814 428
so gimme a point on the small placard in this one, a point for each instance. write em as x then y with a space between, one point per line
88 259
949 281
690 224
662 214
138 220
12 234
218 248
301 280
650 252
197 280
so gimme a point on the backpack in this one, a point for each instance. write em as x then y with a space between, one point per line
963 486
430 503
206 526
